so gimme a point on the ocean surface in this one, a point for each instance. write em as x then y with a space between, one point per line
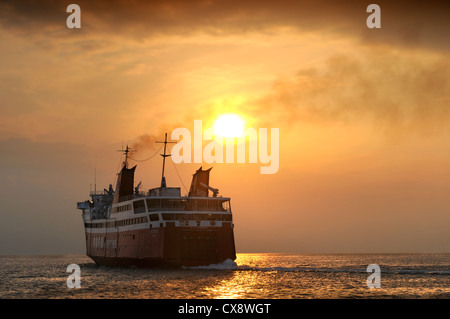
260 276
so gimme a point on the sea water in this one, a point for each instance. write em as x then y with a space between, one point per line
259 276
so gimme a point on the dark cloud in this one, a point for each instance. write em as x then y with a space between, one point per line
405 23
393 91
146 144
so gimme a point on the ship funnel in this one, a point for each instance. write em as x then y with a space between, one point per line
200 183
125 181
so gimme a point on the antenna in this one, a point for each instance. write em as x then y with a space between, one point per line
125 151
163 179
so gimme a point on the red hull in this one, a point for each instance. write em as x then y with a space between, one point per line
164 246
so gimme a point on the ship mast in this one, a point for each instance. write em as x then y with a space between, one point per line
125 151
163 178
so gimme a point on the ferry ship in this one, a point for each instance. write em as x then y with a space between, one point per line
129 227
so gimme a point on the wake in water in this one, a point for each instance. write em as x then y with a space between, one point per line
231 265
228 264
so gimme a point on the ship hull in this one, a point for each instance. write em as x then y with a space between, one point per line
168 246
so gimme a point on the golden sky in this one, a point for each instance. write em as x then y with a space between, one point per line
363 116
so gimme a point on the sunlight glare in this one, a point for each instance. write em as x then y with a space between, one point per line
229 125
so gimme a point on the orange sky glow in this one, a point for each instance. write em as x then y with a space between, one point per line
363 117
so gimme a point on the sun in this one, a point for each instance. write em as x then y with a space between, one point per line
229 125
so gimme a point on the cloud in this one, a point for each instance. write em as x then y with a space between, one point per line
394 91
403 88
404 23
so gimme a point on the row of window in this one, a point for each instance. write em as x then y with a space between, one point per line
187 204
126 222
123 208
188 216
165 216
132 221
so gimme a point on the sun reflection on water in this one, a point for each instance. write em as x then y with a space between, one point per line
242 283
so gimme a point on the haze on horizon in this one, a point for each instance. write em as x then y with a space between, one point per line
363 116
